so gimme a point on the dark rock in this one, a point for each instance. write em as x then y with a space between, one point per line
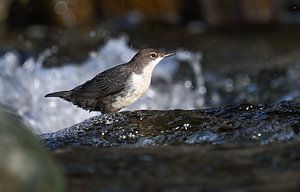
24 165
239 124
169 151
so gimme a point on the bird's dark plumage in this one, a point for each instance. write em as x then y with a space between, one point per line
107 90
109 82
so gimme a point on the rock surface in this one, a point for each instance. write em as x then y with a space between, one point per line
236 148
24 165
240 124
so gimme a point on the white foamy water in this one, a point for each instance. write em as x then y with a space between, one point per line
23 86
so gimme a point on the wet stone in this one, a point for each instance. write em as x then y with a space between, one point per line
235 124
25 165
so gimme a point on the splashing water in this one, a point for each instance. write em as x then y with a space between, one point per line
23 86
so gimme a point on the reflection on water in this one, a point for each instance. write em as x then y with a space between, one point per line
23 87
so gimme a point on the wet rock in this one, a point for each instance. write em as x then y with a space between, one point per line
24 165
238 124
170 151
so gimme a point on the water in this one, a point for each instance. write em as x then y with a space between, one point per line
23 85
178 82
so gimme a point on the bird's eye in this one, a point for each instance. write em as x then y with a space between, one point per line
153 55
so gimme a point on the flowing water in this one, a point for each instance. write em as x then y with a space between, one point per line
23 85
178 83
169 145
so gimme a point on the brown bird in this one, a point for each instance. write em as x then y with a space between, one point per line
117 87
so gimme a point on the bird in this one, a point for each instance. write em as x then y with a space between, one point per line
117 87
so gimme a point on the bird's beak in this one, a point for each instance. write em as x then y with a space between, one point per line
168 54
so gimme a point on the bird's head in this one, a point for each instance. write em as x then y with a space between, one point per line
149 58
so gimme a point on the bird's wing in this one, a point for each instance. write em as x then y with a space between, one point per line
106 83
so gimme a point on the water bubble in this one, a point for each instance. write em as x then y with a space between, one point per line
60 7
188 84
54 49
11 57
93 34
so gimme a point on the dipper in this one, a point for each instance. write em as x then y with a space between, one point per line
117 87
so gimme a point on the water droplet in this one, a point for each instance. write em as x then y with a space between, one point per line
93 34
188 84
61 7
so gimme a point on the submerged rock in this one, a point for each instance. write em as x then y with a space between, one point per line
24 165
239 124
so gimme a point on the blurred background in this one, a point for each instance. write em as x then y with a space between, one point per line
228 51
227 31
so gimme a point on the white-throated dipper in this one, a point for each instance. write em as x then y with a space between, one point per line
117 87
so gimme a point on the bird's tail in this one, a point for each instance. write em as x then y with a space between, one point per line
61 94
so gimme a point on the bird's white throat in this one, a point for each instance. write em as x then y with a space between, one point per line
148 69
142 81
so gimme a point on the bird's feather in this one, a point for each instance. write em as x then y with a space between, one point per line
104 84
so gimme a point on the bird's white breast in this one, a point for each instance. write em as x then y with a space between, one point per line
137 85
141 82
